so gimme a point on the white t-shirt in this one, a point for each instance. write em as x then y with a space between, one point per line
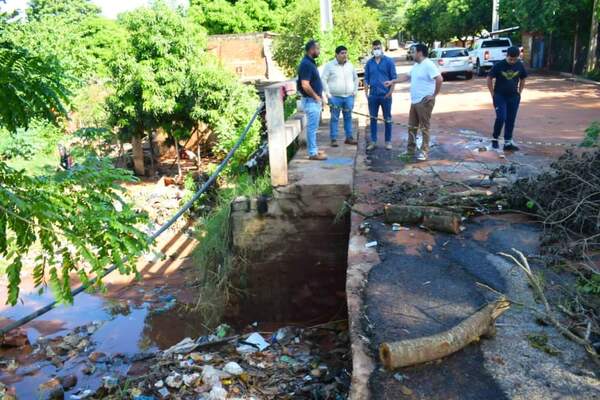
422 80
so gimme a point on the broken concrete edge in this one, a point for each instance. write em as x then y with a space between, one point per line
361 259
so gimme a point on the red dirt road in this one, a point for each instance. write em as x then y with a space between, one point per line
552 108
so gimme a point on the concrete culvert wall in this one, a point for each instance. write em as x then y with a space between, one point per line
295 263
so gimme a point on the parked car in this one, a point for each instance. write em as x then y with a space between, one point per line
487 52
408 44
452 61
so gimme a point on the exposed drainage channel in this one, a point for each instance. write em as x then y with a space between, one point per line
294 274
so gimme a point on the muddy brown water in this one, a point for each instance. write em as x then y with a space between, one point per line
305 289
127 328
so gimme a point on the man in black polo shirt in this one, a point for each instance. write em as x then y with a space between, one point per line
311 89
510 77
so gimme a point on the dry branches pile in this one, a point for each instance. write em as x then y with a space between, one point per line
567 199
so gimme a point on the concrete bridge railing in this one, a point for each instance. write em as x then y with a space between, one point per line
281 132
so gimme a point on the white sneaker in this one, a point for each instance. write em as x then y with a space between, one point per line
421 156
371 146
388 146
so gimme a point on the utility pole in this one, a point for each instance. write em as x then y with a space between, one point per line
326 16
495 16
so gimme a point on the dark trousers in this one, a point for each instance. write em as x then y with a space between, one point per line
386 106
506 114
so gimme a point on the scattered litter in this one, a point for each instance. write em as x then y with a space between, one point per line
397 227
174 380
187 345
233 368
399 377
364 228
191 379
371 244
426 283
164 392
253 343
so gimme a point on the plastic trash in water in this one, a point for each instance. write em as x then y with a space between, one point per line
254 342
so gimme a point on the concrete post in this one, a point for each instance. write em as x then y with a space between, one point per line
276 135
326 16
495 16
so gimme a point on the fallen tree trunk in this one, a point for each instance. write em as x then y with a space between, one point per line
415 351
431 217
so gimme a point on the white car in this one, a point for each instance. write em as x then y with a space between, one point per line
487 52
452 61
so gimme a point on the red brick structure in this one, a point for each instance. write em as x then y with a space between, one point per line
248 55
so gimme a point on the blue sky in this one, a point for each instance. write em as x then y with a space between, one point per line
110 8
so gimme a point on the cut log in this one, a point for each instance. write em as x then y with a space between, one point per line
431 217
415 351
443 223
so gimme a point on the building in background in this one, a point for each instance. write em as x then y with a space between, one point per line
248 55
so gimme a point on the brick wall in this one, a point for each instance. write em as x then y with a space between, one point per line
242 54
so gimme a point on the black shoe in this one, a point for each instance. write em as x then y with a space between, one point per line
334 143
510 147
495 144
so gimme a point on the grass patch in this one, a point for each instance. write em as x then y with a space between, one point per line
212 255
592 135
33 150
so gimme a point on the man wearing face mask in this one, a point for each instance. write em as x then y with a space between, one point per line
311 88
378 70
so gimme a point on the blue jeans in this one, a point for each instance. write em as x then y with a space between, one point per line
506 114
312 109
345 105
386 105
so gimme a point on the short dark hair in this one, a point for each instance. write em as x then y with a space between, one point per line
421 48
339 49
513 51
310 44
377 42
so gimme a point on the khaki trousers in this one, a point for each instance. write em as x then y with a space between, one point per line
419 117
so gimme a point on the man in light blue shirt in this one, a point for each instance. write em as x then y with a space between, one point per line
378 70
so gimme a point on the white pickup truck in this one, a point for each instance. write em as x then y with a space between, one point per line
485 53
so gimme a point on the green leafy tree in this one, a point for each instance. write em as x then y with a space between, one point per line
392 14
464 18
166 80
29 87
557 19
64 224
223 16
149 77
73 218
74 9
423 18
355 26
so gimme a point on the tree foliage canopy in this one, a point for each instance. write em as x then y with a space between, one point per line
355 26
433 20
166 80
223 16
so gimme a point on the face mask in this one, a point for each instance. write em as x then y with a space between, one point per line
377 52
